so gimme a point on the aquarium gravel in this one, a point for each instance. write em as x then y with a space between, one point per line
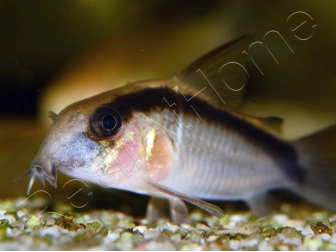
33 228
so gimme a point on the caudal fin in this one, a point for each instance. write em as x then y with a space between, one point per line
317 154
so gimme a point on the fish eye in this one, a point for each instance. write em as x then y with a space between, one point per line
109 122
106 121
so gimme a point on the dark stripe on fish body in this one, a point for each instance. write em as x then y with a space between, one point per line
152 99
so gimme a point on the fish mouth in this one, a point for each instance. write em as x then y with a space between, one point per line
40 171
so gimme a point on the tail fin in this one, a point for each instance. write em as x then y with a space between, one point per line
317 154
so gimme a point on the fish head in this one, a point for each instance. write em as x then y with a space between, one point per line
97 139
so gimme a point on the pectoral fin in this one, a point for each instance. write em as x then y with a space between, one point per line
210 208
156 209
178 211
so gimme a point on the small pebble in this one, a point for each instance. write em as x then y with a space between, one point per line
191 247
269 232
280 218
50 222
112 237
186 226
162 243
176 238
52 231
8 217
293 241
172 227
212 238
306 231
291 233
333 239
325 237
151 234
249 242
313 244
202 227
141 229
265 246
238 218
234 244
320 228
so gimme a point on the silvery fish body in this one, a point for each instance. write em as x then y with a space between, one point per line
173 139
215 154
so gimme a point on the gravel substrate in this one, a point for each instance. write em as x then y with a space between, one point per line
30 229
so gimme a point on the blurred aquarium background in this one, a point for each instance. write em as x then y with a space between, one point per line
53 53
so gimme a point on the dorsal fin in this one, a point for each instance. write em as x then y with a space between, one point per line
273 123
52 115
220 76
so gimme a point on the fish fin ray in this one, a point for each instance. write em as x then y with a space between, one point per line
210 208
317 156
221 71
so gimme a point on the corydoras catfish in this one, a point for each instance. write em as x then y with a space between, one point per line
180 139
